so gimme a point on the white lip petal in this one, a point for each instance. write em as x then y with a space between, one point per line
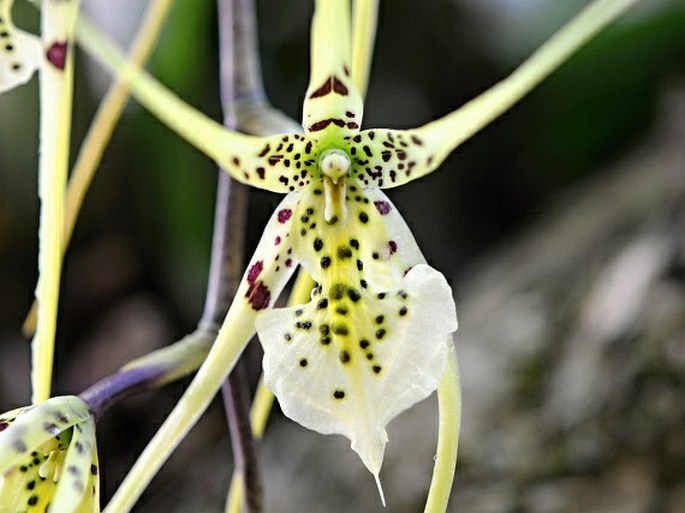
355 382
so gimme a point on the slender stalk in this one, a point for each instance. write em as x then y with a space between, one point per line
101 129
56 90
227 260
449 404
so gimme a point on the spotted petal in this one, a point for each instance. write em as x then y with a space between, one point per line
371 343
21 53
49 458
353 379
333 107
388 158
281 163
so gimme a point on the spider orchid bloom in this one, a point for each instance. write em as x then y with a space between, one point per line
373 339
21 54
49 458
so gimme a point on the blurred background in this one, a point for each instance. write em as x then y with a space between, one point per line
561 228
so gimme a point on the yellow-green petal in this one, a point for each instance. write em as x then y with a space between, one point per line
36 425
281 163
332 107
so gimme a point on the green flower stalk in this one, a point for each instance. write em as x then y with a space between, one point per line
21 54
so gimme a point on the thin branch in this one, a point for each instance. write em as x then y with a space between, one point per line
239 77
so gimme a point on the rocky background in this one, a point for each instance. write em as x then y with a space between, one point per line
561 228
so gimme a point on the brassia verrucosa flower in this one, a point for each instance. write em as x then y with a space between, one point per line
49 458
373 339
376 335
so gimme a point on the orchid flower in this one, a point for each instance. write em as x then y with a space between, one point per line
49 458
376 334
374 337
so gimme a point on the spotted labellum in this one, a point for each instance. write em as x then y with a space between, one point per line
49 458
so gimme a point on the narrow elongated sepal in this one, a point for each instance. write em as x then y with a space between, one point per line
333 107
281 163
21 53
388 158
267 273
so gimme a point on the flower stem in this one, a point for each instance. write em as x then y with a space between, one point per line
449 404
100 131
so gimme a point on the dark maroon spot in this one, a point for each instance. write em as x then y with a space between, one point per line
393 246
346 70
383 207
338 122
320 125
259 296
352 126
416 140
236 161
265 151
386 156
349 114
57 55
4 425
323 90
254 272
274 159
277 241
339 87
261 172
288 263
284 215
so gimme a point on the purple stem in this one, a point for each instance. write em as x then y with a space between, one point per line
116 387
